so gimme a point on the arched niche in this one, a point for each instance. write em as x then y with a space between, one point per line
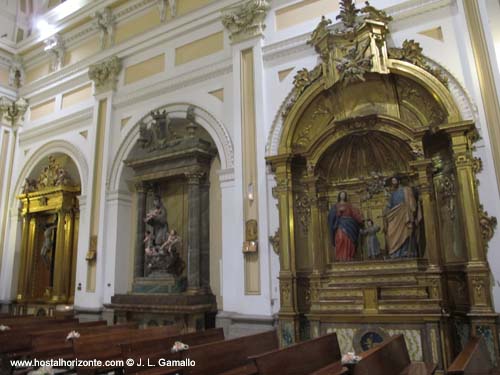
168 151
364 114
50 225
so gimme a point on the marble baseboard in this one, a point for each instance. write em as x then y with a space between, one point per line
237 325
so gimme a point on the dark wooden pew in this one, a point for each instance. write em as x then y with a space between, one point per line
54 345
303 358
229 357
25 323
20 339
107 346
474 359
150 351
391 358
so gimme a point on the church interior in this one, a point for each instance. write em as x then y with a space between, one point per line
252 187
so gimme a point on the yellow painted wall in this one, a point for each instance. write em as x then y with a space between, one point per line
82 51
135 26
199 48
145 69
42 110
186 6
4 76
76 96
37 72
303 11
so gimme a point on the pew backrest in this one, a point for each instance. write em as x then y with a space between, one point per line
474 359
300 359
389 357
222 356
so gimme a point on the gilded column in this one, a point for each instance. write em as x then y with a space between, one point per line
194 216
24 270
424 171
478 273
289 322
58 289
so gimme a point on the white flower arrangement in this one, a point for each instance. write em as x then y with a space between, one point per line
4 328
46 370
179 347
73 335
350 358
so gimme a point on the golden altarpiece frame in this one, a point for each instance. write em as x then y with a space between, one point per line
365 113
50 220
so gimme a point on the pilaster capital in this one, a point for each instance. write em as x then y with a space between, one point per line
13 110
246 21
105 74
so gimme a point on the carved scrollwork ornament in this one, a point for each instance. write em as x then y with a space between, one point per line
477 165
275 242
446 187
488 225
303 207
285 292
105 74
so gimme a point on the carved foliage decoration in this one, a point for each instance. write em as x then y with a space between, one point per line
411 51
488 225
105 74
352 49
247 20
52 175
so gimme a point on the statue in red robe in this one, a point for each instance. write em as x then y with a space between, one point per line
344 221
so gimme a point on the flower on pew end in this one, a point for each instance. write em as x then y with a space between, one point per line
73 335
4 328
179 347
350 358
45 370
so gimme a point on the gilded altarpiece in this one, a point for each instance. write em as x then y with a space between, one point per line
50 220
366 117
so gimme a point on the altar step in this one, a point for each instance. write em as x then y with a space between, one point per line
384 293
378 286
382 306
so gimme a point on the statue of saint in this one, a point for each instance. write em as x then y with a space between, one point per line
48 243
344 221
157 218
401 218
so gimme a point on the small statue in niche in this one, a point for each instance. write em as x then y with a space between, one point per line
344 221
401 218
157 219
371 241
48 243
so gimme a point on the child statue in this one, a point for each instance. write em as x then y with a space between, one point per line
372 244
